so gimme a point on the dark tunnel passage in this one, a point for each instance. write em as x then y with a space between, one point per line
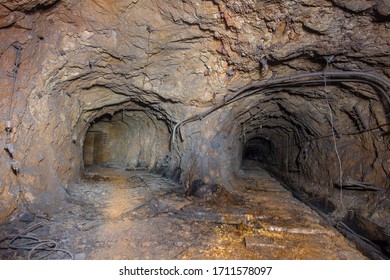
323 135
259 149
324 143
316 134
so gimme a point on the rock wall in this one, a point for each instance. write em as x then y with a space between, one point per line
67 63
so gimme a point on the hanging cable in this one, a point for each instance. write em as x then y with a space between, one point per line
18 49
15 165
331 120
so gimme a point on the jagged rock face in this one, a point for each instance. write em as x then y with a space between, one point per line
68 67
26 5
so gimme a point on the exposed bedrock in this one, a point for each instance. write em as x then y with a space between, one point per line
108 82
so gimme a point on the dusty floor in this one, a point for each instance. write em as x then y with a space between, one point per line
119 214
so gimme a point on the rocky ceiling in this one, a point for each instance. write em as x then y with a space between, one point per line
192 84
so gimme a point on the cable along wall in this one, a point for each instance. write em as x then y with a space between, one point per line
328 137
326 128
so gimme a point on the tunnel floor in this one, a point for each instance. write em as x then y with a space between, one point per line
121 214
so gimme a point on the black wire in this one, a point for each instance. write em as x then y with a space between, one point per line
372 79
18 49
34 246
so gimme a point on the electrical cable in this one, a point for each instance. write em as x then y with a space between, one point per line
34 244
18 48
331 120
372 79
150 30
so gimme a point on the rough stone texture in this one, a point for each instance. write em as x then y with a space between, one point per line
356 5
81 60
383 7
26 5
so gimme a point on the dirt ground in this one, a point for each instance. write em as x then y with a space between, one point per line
121 214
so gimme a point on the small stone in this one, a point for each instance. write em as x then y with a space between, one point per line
27 217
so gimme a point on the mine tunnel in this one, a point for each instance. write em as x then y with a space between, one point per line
195 129
127 139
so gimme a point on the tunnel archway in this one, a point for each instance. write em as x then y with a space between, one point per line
129 138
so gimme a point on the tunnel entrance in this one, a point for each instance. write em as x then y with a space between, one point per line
258 149
130 138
